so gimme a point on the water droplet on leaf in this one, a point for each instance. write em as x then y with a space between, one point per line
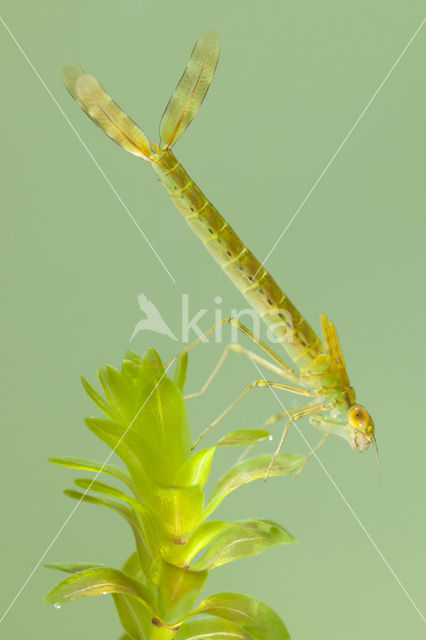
57 605
270 437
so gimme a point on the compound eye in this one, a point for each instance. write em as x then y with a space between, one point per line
359 417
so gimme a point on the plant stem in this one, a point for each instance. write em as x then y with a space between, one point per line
161 633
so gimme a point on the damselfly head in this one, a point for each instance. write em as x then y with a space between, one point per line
363 427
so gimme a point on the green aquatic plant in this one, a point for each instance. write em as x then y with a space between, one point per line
176 542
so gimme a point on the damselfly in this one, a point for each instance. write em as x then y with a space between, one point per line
319 371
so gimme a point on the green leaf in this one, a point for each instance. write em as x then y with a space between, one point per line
180 509
134 616
243 437
181 367
73 567
151 523
195 471
178 588
125 637
163 421
150 430
97 398
182 554
131 358
258 620
94 582
102 487
243 539
91 465
127 444
144 548
119 393
211 629
132 566
249 470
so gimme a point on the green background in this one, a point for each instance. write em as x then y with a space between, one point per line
292 79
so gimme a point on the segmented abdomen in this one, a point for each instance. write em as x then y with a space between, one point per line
253 281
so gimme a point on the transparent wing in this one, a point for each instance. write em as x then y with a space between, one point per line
191 89
102 109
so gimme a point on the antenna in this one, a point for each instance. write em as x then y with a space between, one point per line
376 449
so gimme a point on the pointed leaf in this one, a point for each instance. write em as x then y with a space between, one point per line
196 469
150 431
180 509
97 398
243 437
97 582
249 470
163 421
191 89
182 555
92 465
258 620
73 567
141 516
134 616
126 444
243 539
132 566
120 393
211 629
181 367
102 487
178 588
123 510
144 547
131 363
